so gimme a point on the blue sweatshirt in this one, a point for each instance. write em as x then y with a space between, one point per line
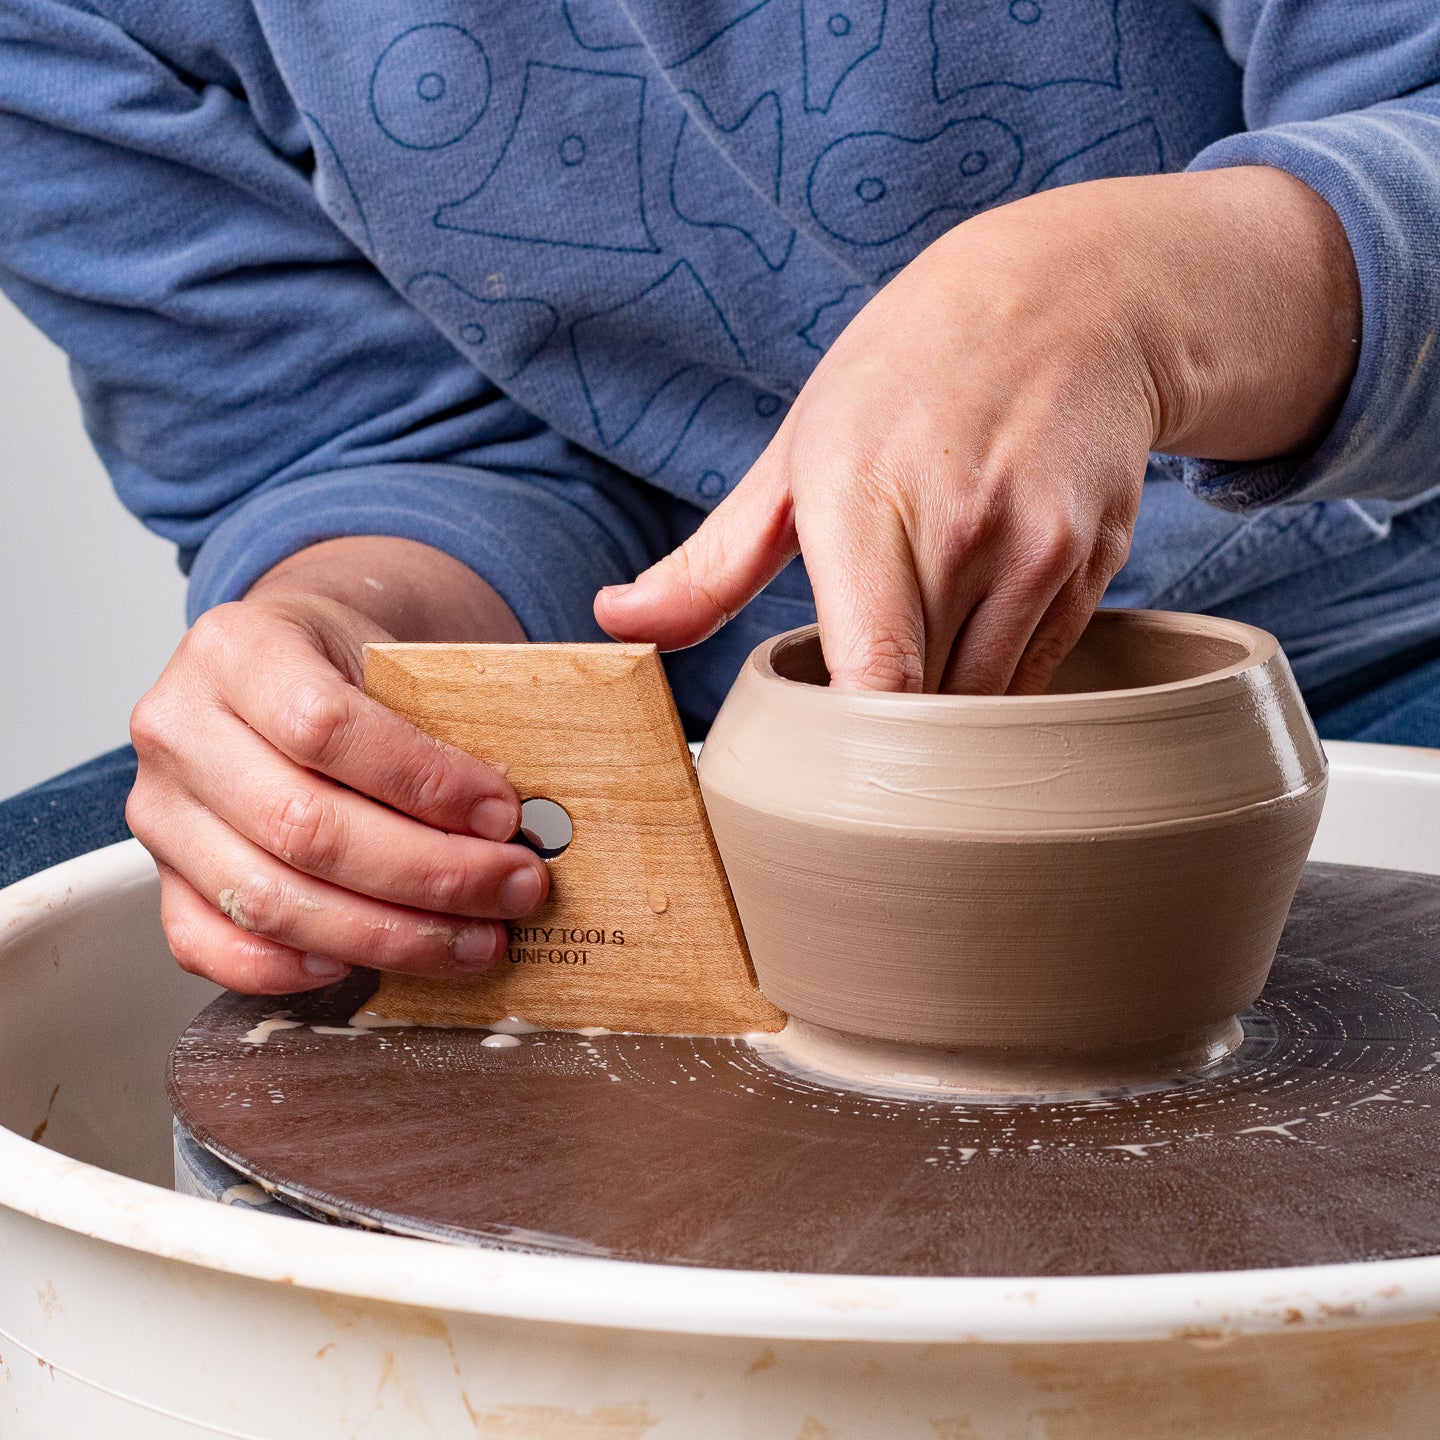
535 283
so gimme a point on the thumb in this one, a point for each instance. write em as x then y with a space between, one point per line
743 544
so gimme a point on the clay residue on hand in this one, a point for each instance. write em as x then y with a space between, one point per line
229 902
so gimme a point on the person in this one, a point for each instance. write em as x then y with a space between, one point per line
468 321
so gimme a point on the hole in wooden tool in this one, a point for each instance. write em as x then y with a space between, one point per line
545 827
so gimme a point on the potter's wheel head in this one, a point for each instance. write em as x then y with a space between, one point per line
1318 1145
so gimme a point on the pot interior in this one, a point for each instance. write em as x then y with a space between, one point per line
1120 650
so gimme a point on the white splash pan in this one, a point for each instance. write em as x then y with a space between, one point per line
129 1311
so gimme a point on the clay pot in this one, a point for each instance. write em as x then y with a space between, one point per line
1090 880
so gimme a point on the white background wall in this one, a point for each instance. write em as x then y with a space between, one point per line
91 603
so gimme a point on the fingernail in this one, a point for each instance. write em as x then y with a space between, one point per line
521 892
323 967
618 592
495 819
474 948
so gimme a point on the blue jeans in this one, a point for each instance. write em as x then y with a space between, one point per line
1350 588
1397 703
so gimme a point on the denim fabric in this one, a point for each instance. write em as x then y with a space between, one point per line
1398 705
1345 585
81 810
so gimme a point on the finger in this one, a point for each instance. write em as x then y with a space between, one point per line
1059 629
292 696
205 943
867 594
262 896
335 834
743 544
994 638
949 593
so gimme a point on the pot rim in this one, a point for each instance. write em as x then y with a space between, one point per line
1260 648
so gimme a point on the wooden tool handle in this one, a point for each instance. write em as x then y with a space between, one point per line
639 932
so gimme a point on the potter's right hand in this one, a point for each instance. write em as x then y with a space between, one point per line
963 469
301 828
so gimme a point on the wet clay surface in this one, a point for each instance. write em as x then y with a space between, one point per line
1318 1142
1101 867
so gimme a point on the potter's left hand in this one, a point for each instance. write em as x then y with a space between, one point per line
963 468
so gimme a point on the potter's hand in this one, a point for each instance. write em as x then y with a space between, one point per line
963 469
301 828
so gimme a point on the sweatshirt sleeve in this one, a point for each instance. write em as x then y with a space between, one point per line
1345 95
250 380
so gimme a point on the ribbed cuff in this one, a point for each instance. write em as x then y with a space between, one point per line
1380 171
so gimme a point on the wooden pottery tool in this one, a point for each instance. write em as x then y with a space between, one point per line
639 932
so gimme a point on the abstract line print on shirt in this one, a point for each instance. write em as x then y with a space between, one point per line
339 201
873 187
835 36
430 86
1089 56
502 333
730 409
691 48
569 172
831 316
706 189
597 27
1134 150
670 339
